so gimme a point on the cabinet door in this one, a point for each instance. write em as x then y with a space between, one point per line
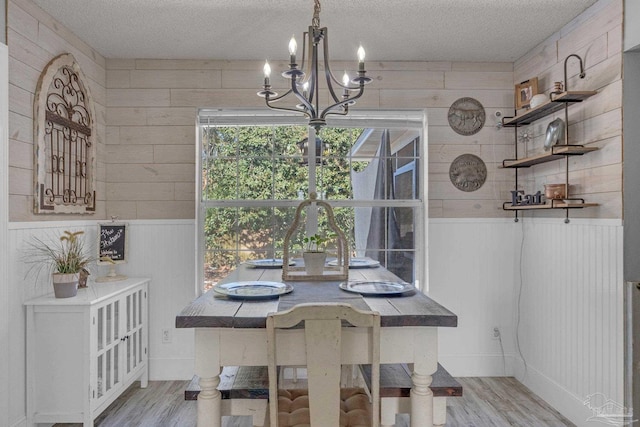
134 331
109 340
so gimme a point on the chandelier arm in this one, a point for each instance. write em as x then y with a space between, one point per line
295 110
345 103
305 40
305 102
279 97
327 68
342 112
314 89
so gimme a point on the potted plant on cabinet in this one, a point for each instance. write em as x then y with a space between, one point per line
314 254
66 259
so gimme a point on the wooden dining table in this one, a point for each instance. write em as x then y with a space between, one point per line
232 332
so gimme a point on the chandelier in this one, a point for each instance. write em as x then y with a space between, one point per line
305 80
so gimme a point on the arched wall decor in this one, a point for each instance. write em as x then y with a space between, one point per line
64 127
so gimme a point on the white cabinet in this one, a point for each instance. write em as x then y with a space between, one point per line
82 352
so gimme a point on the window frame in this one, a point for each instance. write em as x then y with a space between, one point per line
415 120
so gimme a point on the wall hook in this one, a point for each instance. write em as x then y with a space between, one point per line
582 73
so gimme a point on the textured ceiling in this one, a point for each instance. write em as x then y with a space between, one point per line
433 30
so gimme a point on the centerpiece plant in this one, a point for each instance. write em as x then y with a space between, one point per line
314 252
316 243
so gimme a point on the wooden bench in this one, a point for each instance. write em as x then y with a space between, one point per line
245 389
395 381
395 390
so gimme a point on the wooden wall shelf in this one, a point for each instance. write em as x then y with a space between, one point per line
556 152
560 205
554 104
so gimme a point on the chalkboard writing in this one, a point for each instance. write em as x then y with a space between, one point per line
113 243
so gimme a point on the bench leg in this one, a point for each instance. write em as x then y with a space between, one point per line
255 408
390 406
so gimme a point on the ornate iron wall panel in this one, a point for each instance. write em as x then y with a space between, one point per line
64 128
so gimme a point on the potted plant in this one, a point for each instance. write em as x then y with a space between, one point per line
313 253
66 259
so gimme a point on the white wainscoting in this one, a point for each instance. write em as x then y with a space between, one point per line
571 324
162 250
567 304
25 283
570 329
165 252
471 272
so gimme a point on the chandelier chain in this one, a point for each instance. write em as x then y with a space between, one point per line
315 23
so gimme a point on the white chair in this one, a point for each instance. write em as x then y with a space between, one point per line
324 403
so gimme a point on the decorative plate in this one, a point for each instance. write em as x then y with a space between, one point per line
466 116
267 263
378 287
358 263
253 289
468 172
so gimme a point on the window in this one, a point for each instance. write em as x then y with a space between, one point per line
256 168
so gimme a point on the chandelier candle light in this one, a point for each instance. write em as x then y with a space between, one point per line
304 81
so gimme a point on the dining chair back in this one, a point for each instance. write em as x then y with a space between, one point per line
324 403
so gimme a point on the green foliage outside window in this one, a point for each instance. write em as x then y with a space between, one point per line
265 163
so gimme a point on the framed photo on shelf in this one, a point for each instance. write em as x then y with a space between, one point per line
525 91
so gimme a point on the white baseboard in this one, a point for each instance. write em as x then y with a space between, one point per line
565 402
21 423
171 369
477 365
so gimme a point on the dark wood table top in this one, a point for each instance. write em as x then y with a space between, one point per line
212 310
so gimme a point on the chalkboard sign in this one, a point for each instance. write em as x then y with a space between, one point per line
113 243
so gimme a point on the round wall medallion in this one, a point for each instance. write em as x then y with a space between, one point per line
466 116
468 172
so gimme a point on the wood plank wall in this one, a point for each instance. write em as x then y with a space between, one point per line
596 36
34 38
146 168
151 106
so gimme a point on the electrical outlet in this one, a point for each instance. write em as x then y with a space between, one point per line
496 333
166 336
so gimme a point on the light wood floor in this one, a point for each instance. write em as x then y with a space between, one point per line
487 402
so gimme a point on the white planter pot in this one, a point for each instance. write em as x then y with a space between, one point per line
314 262
65 285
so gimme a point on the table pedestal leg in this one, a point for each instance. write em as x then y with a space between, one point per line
209 402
